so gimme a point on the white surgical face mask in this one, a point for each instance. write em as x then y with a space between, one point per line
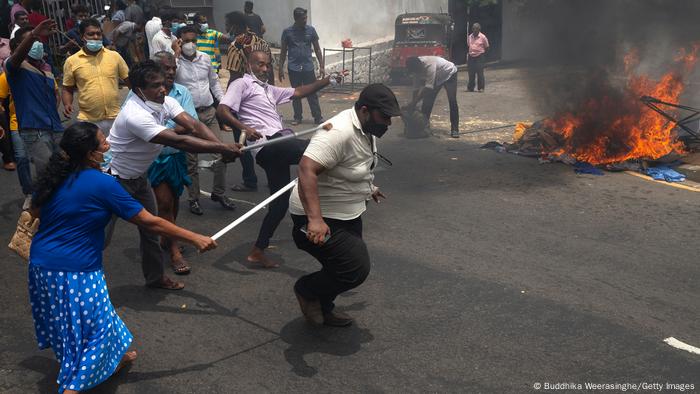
156 107
189 49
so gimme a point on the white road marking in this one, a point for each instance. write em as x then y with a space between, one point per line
681 345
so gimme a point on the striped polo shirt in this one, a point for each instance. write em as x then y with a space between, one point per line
208 42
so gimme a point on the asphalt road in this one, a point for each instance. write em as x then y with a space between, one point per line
491 273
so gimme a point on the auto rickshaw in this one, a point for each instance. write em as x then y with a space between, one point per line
419 34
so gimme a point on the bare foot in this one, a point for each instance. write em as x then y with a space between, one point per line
167 284
128 358
258 258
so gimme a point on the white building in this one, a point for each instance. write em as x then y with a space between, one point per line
363 21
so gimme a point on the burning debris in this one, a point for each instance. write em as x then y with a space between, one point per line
617 127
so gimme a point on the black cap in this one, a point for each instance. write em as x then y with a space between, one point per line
378 96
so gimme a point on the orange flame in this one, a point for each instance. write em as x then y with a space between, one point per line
617 126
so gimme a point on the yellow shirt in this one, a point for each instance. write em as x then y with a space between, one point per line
97 79
5 93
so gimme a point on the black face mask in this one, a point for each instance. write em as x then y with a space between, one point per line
374 128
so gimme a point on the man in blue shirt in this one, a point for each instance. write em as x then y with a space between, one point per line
298 39
35 94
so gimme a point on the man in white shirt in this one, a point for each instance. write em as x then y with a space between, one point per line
335 182
21 20
152 27
197 74
430 74
164 39
136 139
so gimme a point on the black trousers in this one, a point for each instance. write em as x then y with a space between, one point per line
475 65
344 259
276 160
451 89
299 78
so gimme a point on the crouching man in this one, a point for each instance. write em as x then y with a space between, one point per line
335 183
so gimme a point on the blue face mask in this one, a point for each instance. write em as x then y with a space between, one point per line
203 27
93 45
37 51
174 27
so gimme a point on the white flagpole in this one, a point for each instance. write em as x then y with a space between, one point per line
255 209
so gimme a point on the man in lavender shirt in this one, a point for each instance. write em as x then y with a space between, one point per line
255 102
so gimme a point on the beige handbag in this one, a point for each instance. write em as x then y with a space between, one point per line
21 241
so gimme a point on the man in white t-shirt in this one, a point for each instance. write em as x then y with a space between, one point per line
152 27
164 39
335 182
430 74
136 139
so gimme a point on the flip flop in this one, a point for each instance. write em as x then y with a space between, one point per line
180 266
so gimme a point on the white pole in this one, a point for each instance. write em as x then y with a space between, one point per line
294 134
255 209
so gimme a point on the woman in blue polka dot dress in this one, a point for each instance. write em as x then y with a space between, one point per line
70 303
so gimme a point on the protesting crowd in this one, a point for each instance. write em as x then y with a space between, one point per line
87 155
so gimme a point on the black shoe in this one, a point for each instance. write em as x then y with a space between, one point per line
311 309
337 319
454 134
225 202
319 121
195 208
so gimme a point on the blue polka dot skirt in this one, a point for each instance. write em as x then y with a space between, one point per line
74 316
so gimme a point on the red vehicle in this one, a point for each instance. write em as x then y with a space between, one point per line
420 35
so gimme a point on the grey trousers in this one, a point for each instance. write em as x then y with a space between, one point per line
152 256
208 117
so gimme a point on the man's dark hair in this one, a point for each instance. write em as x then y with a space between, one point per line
14 43
197 16
141 73
168 14
236 19
248 6
299 12
80 8
20 13
187 29
89 22
413 64
121 5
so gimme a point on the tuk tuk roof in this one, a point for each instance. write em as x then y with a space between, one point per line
423 19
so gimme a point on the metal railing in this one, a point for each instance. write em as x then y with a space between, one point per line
348 55
60 11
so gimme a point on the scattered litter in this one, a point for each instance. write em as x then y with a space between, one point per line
629 165
453 158
665 173
183 306
494 145
585 168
